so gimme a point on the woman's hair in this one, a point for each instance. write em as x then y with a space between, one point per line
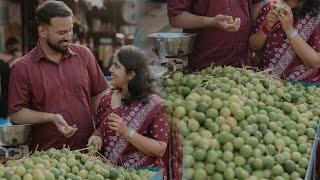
309 6
141 85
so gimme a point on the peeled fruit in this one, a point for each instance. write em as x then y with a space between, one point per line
68 129
230 21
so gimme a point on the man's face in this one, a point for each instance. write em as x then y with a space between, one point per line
59 33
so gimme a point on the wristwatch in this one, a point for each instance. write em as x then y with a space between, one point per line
293 34
131 134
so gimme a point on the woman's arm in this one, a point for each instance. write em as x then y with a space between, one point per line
258 39
155 146
305 52
148 146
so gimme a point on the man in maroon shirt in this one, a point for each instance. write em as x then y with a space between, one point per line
218 43
56 84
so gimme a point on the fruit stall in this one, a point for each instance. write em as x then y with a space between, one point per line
18 163
66 164
235 123
238 123
241 124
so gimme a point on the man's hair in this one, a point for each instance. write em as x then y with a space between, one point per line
51 9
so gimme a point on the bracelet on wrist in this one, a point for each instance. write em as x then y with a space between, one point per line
292 35
131 134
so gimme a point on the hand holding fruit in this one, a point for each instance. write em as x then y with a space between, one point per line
116 123
62 126
279 6
95 142
226 23
271 19
283 14
286 19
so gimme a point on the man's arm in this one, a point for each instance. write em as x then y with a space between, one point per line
190 21
28 116
19 103
180 16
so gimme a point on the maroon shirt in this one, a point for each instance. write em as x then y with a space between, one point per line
65 88
214 45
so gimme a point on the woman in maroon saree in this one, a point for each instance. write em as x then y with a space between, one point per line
289 42
132 123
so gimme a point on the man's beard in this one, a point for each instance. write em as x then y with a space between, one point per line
58 48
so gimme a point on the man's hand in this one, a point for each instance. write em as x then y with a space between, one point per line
226 23
62 125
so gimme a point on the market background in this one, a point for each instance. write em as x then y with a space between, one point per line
101 25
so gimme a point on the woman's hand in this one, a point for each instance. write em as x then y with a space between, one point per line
116 123
96 142
286 19
271 19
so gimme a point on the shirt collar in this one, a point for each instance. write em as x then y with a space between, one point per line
41 55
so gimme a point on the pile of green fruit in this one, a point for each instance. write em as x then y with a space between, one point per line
66 164
238 124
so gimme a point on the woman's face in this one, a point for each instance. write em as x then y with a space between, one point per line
118 73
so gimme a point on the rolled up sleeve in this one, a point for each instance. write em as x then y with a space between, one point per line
175 7
19 89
